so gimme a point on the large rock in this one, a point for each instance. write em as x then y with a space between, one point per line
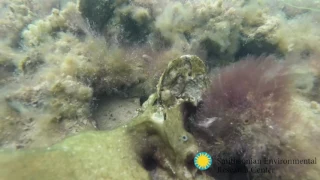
155 143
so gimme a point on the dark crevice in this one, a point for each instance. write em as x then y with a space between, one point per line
143 99
256 48
190 162
148 162
188 111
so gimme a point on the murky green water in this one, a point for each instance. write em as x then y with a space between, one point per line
170 89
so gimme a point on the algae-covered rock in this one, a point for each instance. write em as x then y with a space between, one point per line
154 144
161 114
92 155
184 78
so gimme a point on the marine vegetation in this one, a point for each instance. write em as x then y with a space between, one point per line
247 115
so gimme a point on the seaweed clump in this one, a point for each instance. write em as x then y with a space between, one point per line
245 115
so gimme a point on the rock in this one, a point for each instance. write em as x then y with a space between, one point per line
154 141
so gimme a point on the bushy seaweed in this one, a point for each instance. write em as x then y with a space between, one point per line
246 111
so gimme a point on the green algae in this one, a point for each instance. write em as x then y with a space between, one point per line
91 155
103 155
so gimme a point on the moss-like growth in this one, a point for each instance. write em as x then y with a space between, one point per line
30 63
14 18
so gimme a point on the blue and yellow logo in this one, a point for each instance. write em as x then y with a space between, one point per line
203 161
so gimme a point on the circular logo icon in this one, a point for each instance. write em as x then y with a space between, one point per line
203 161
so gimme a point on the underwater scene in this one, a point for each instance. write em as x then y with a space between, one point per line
159 89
